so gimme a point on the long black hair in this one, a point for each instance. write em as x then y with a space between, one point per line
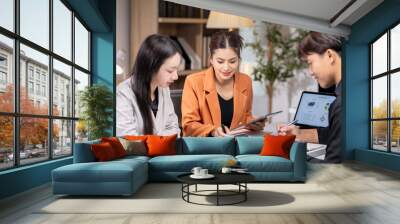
152 54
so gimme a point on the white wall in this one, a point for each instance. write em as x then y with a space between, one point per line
123 37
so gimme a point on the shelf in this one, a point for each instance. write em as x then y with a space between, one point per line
182 20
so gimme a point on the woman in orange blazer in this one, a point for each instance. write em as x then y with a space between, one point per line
218 99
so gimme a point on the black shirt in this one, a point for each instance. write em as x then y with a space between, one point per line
331 135
154 103
226 107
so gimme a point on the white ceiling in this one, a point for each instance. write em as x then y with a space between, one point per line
316 15
320 9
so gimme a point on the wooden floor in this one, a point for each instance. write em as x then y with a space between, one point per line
377 188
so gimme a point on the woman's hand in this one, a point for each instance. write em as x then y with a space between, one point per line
218 132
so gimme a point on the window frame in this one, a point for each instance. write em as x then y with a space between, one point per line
16 114
388 74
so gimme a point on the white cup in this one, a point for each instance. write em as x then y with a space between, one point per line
203 172
196 170
226 170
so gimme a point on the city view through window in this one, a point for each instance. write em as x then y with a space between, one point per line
39 113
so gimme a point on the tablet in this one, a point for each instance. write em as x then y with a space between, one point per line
262 119
313 109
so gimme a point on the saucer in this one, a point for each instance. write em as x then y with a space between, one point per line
208 176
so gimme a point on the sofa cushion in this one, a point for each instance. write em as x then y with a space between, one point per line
103 152
134 147
249 145
161 145
112 171
277 145
185 163
257 163
116 145
207 145
83 152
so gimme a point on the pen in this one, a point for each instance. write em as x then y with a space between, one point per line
292 122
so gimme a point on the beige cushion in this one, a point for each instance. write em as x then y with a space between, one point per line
137 147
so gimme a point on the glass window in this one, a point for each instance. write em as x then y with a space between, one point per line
30 72
7 14
81 45
3 78
81 81
37 75
37 89
379 98
34 80
40 62
395 47
62 72
379 56
33 140
3 61
81 131
6 73
62 29
30 87
395 95
35 21
379 133
6 142
385 94
395 138
62 138
43 90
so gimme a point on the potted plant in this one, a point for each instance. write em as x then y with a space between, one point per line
278 60
96 102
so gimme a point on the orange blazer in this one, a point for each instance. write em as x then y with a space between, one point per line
201 113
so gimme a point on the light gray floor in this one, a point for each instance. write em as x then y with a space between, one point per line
378 188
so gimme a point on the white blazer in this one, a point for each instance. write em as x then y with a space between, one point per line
130 120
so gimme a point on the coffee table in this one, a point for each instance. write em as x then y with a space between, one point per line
238 179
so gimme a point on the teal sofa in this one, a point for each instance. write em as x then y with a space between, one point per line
125 176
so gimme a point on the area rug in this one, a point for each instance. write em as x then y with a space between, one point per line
167 198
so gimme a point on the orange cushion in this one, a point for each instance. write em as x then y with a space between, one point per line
135 137
277 145
116 145
161 145
103 151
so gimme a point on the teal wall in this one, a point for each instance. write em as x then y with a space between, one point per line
99 16
24 178
356 85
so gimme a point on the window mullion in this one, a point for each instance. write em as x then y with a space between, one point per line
73 82
16 84
50 81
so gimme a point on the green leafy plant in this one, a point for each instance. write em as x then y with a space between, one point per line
277 59
96 102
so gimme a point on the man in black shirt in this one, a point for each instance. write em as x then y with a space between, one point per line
323 55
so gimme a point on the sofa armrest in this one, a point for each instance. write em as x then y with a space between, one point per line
83 152
298 157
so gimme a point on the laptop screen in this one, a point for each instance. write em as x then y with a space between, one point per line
313 109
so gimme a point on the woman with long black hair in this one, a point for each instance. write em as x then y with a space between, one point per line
144 104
